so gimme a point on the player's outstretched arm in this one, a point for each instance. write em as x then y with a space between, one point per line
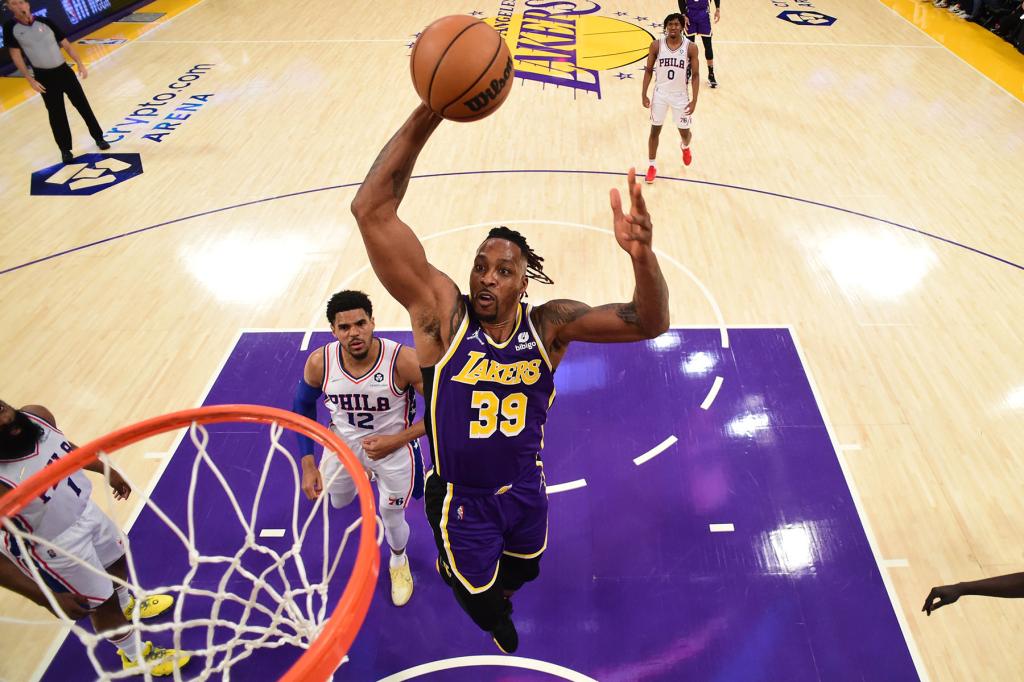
645 317
396 254
1010 586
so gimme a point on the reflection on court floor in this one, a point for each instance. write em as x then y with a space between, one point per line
685 543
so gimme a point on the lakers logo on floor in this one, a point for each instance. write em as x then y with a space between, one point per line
567 45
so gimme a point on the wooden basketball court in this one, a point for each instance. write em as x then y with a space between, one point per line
854 182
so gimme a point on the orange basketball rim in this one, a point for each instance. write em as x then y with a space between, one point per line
325 654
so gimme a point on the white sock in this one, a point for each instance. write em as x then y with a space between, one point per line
398 560
123 596
396 529
684 145
650 162
128 645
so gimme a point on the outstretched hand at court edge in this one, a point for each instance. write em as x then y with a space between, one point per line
1009 586
939 597
632 230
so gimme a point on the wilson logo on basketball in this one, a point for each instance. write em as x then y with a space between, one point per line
480 100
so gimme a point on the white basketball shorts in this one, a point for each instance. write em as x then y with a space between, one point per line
394 474
93 541
677 101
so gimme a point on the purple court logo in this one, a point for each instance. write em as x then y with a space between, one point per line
86 175
807 18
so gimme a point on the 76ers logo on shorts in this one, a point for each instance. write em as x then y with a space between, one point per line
88 174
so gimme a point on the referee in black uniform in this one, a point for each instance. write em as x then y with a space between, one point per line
40 40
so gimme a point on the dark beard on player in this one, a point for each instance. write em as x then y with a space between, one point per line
18 438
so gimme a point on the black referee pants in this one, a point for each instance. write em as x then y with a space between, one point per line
59 82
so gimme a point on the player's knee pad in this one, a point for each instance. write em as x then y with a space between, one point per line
709 51
396 529
339 500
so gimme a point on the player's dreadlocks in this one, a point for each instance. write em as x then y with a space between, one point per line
534 262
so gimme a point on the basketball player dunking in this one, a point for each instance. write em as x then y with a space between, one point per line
66 516
488 361
367 383
669 60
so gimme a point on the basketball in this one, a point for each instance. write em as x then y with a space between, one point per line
461 68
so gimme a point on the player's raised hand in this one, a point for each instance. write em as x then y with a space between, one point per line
633 230
939 597
312 482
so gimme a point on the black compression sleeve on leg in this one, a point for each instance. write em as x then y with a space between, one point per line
709 53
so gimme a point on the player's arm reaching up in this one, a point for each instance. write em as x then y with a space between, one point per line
407 371
396 254
644 317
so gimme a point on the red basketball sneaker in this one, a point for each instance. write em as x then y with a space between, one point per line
687 156
652 173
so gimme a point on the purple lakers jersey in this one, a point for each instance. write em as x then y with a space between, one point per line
487 403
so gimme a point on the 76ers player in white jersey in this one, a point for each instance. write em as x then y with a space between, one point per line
367 385
670 59
66 516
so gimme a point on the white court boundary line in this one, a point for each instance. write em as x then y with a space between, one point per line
799 44
908 636
938 44
656 450
710 398
499 661
571 485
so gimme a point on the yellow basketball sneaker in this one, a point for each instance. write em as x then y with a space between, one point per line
401 584
150 607
160 662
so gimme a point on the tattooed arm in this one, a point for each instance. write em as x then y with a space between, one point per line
396 254
646 316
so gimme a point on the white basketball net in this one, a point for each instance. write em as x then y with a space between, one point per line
283 604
